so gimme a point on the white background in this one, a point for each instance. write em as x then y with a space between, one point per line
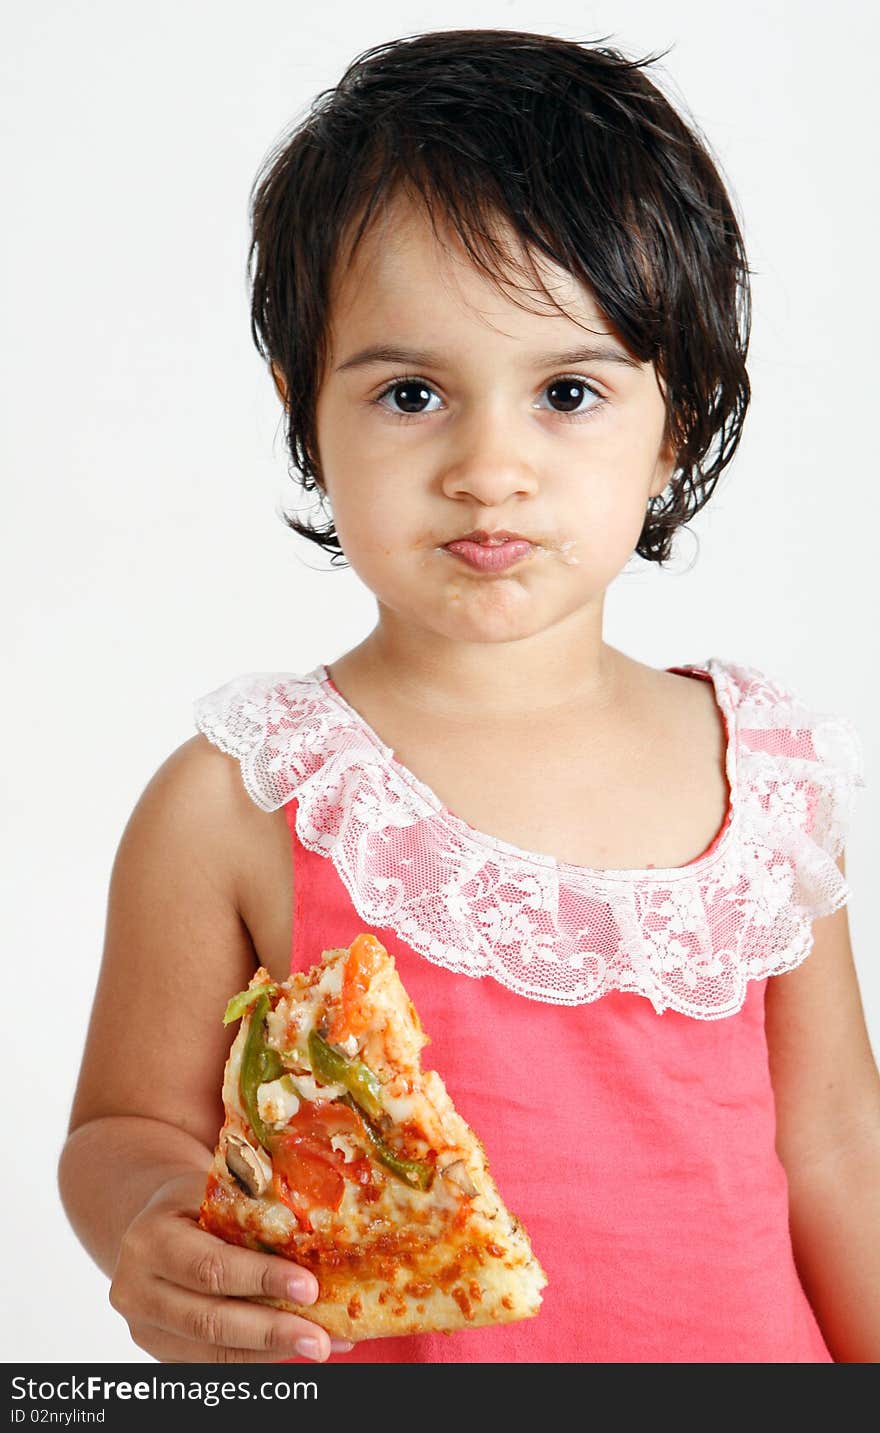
144 463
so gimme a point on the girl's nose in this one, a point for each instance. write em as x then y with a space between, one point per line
490 478
489 458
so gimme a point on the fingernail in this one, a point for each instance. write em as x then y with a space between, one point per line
308 1347
340 1345
302 1291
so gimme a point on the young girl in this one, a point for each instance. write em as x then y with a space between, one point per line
504 299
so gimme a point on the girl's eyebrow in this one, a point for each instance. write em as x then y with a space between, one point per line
415 357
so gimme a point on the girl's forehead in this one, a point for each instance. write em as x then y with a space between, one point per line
402 269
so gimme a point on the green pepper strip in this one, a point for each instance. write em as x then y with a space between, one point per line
244 1000
259 1062
414 1172
334 1068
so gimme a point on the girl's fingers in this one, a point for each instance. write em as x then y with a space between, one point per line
168 1347
186 1255
190 1297
234 1330
171 1349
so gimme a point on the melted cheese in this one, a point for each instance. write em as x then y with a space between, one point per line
275 1103
310 1089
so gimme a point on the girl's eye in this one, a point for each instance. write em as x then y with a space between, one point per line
569 392
410 394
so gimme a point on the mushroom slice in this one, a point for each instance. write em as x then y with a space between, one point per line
457 1174
251 1167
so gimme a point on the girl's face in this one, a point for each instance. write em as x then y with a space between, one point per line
476 416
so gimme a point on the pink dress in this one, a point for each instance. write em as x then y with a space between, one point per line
601 1031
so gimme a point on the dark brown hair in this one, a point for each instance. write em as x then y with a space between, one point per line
571 145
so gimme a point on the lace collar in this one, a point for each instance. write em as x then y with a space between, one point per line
687 938
460 830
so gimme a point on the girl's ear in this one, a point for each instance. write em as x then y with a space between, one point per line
663 469
280 385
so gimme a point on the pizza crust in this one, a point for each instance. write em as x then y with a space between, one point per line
374 1313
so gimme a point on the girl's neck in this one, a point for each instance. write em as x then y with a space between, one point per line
565 666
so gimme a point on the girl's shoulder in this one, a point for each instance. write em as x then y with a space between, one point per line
810 752
277 725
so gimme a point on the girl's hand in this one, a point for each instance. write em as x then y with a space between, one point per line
183 1292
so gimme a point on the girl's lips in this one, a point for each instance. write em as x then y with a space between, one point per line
490 557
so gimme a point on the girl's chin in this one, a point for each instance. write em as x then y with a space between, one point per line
463 619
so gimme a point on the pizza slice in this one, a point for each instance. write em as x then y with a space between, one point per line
339 1152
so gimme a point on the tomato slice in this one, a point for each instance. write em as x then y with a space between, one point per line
304 1158
353 1016
319 1119
311 1178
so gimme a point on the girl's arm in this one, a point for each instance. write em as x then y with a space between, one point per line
147 1108
827 1091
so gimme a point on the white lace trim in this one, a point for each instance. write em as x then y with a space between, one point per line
687 938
